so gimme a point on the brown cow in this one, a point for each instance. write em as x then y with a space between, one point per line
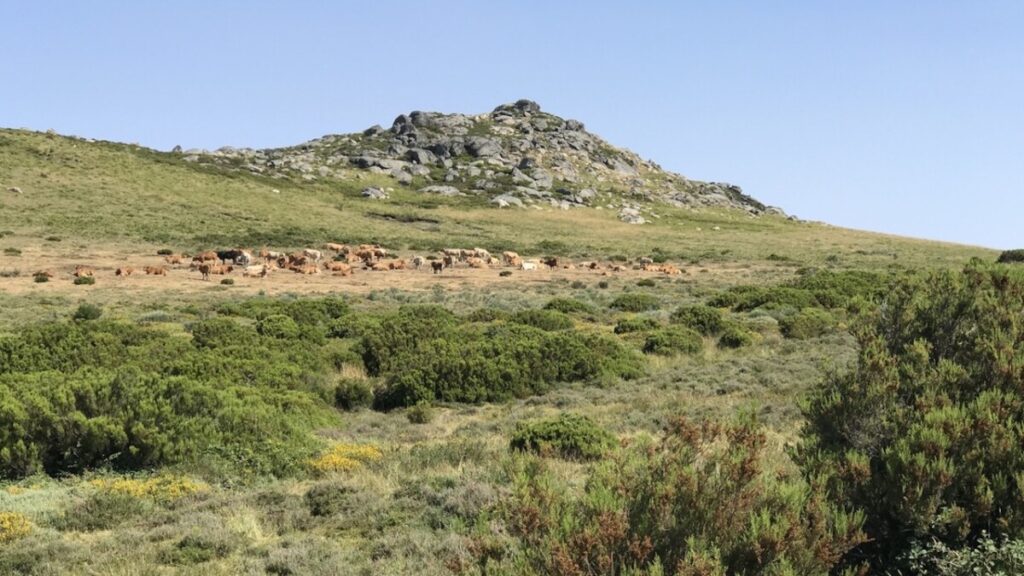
208 256
335 247
155 270
396 264
448 261
475 262
436 266
550 262
82 271
511 258
341 268
175 259
205 269
126 271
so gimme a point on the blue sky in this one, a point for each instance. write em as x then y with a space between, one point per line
903 117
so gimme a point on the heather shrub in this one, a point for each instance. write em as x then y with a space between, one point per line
569 306
87 312
1011 256
703 319
84 281
635 324
635 302
673 341
808 323
735 336
547 320
569 436
353 394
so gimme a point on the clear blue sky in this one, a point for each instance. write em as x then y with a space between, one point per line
903 117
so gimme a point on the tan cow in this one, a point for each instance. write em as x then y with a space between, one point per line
83 271
339 268
475 262
126 271
511 258
335 247
155 270
208 256
175 259
260 270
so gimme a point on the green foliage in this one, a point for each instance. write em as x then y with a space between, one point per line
196 549
84 281
12 252
1011 256
602 284
672 341
227 281
635 324
101 510
569 306
164 252
704 500
547 320
487 315
421 413
425 353
278 326
808 323
924 434
703 319
40 278
569 436
822 288
988 557
635 302
328 498
86 312
735 336
353 394
646 283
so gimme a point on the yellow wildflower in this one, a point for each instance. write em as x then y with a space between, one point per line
344 457
13 526
159 488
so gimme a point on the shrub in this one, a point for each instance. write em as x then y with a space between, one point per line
635 324
353 394
84 281
53 238
164 489
987 557
808 323
672 341
164 252
10 273
13 526
421 413
704 500
635 302
1010 256
569 306
547 320
40 278
602 284
568 436
197 548
101 510
505 273
87 312
345 457
227 281
646 283
703 319
12 252
278 326
487 315
578 285
328 498
735 336
923 434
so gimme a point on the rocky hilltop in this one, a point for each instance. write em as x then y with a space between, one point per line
515 156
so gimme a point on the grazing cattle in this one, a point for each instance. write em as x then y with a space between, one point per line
155 270
208 256
437 267
645 261
260 270
416 262
341 268
126 271
396 264
453 253
175 259
618 268
448 261
528 265
225 255
314 255
650 268
475 262
335 247
269 255
244 258
510 258
378 266
83 271
204 269
43 274
671 270
550 262
298 259
305 269
481 253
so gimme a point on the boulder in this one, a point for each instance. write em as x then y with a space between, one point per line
374 193
482 147
631 216
506 200
420 156
442 190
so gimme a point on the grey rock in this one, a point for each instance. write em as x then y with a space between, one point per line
520 178
573 126
631 216
442 190
176 150
374 193
417 170
375 130
526 163
482 147
420 156
506 200
401 176
542 179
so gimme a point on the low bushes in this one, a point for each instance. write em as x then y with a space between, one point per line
703 319
635 324
635 302
547 320
735 336
569 306
808 323
84 281
1010 256
569 436
673 341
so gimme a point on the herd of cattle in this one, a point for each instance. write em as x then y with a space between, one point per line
343 260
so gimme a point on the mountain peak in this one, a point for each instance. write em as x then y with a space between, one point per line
514 156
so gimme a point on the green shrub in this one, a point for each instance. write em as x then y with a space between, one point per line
12 252
101 510
735 336
923 435
569 306
421 413
547 320
635 302
635 324
578 285
13 273
703 319
164 252
505 273
278 326
353 394
1010 256
602 284
84 281
197 549
808 323
672 341
988 557
227 281
568 436
487 315
40 278
86 312
704 500
329 498
646 283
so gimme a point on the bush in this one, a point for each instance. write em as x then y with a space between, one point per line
102 510
569 306
328 498
87 312
568 436
487 315
672 341
40 278
646 283
547 320
602 284
988 557
12 252
421 413
353 394
197 548
505 273
635 302
84 281
578 285
735 336
278 326
923 434
703 319
635 324
704 500
13 526
10 273
164 252
227 281
808 323
1011 256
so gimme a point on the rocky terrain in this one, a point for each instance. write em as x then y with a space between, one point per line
514 156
